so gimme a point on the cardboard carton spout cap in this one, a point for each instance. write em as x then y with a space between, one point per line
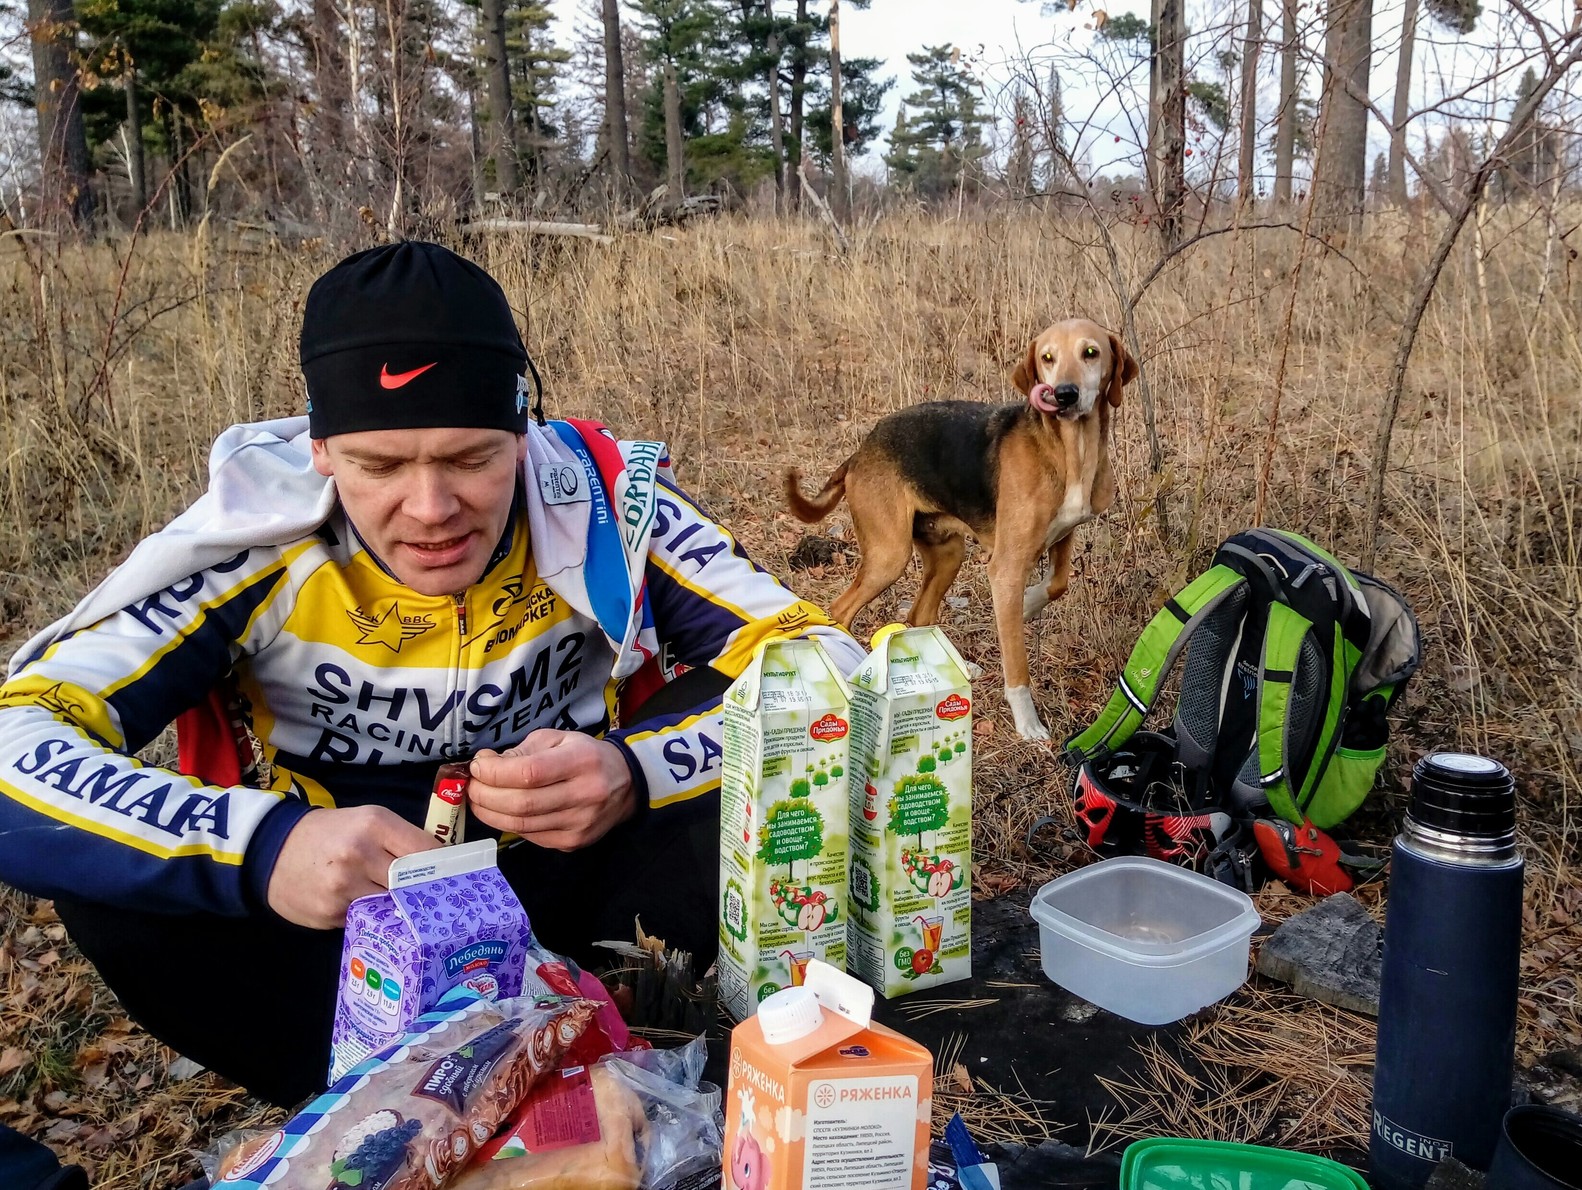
789 1015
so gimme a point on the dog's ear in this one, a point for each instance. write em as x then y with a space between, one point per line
1025 374
1123 369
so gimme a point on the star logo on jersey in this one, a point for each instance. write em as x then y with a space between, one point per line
392 630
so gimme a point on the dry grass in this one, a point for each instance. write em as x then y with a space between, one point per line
749 346
1266 1067
992 1114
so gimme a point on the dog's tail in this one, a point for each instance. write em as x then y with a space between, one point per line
815 510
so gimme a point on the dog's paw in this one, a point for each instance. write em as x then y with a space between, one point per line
1028 725
1034 600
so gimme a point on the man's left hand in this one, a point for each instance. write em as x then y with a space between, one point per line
558 789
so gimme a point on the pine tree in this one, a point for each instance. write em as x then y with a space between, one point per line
699 44
1055 132
152 46
1533 157
862 101
1019 165
900 160
535 61
943 139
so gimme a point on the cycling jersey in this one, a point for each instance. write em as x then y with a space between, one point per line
355 686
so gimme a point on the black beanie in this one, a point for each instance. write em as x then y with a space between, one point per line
411 336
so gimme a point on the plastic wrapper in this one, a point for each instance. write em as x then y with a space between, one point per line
630 1121
412 1116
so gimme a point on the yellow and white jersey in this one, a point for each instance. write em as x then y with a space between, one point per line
357 688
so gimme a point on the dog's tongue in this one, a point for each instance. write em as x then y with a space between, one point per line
1042 397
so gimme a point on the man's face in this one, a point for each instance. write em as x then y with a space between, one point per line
432 504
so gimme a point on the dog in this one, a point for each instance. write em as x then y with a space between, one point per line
1020 478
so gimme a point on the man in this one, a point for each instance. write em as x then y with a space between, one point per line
417 572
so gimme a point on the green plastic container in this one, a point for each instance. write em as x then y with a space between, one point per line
1169 1164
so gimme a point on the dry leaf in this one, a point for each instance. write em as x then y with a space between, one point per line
61 1131
184 1068
963 1080
997 884
14 1059
983 727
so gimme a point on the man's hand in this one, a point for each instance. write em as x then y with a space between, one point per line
559 789
332 857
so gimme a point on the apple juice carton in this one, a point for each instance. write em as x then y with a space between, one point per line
821 1097
782 822
910 923
448 920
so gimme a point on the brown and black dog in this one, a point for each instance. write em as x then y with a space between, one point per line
1017 477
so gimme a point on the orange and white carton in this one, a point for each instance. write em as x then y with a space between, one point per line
821 1097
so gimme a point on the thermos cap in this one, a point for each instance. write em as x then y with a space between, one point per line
1466 762
1459 796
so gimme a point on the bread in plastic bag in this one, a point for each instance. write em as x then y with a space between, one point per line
654 1126
609 1162
411 1116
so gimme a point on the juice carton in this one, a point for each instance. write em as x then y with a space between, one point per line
910 923
820 1097
782 822
449 919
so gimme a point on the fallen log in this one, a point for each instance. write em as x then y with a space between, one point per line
540 227
657 209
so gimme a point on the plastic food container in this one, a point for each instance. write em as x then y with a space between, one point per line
1144 939
1166 1164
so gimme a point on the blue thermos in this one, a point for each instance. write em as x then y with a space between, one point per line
1447 997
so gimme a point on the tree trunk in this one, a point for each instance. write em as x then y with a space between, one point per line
1403 93
477 145
840 204
326 142
1285 129
615 98
182 180
268 119
1151 156
1171 145
676 174
360 152
134 141
497 88
1247 183
777 138
57 90
399 152
798 94
1340 186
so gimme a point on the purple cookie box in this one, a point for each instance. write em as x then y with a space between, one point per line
406 948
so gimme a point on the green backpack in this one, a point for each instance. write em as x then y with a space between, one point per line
1292 662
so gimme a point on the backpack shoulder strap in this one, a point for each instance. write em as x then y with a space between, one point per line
1156 650
1282 645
